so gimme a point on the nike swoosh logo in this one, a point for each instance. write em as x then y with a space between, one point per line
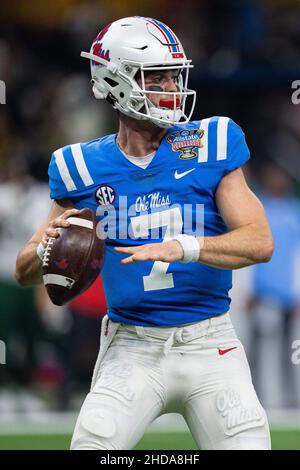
181 175
224 351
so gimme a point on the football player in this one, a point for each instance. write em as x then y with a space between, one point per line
178 217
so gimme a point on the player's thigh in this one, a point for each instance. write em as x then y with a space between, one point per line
119 408
223 411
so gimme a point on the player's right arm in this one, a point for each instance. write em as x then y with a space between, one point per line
29 266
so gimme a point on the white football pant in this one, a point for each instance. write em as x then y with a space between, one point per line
199 370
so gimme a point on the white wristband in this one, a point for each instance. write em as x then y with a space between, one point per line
40 251
191 248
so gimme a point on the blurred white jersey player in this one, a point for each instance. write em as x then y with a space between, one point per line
178 216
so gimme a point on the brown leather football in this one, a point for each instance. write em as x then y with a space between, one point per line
73 261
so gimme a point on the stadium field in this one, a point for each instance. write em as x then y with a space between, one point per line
281 440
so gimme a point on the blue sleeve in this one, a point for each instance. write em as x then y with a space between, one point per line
69 176
237 149
58 189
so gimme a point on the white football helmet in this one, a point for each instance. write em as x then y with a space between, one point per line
137 44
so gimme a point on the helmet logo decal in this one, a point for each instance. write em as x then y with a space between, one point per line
97 46
186 142
97 50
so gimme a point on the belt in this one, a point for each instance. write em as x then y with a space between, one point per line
178 333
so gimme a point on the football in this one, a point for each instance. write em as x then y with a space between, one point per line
73 261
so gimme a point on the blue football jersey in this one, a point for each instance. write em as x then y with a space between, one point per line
174 194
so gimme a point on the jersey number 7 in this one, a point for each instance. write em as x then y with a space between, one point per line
141 225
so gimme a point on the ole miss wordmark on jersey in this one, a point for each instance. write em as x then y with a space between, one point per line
174 194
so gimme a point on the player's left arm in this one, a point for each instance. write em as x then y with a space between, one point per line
249 240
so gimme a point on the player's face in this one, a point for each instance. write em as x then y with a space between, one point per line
165 81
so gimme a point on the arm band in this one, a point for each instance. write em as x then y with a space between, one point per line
191 248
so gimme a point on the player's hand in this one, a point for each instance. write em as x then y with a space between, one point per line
169 252
61 221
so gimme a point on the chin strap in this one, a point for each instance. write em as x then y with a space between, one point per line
167 114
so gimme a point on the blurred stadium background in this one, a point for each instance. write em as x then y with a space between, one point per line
246 55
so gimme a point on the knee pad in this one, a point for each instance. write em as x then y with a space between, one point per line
99 422
95 429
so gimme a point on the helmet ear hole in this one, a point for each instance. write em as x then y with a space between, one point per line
111 82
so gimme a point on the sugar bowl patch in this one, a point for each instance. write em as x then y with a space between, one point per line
186 142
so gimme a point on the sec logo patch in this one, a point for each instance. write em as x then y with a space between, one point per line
105 195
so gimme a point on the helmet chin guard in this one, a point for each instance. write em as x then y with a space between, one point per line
137 44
